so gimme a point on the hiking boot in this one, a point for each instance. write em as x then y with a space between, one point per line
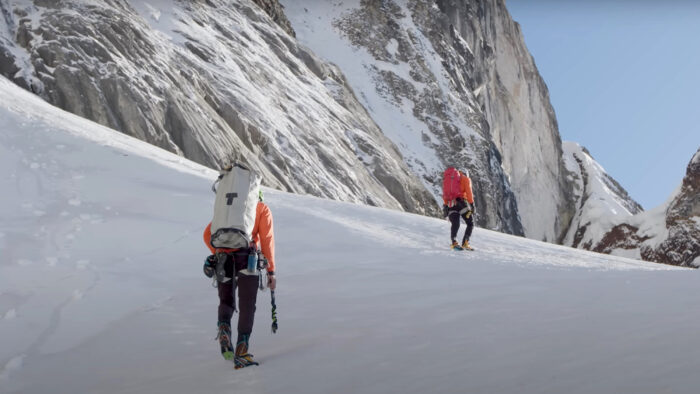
455 246
224 337
465 245
242 345
243 361
242 358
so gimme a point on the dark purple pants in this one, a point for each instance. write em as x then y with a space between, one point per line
247 287
454 215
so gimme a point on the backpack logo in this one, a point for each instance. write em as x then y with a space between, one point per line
230 197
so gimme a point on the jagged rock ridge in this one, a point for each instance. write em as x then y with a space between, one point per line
669 234
600 200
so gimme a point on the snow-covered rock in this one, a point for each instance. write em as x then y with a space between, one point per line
668 234
451 82
212 81
601 202
609 221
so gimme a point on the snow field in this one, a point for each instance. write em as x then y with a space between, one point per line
103 291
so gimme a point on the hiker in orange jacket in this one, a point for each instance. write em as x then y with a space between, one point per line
462 208
245 281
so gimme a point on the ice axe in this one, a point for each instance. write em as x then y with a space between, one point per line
274 311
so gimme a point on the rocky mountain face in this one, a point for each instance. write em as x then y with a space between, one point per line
211 80
670 234
215 79
451 82
515 101
414 86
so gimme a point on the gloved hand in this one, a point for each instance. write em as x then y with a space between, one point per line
210 266
472 207
271 280
444 211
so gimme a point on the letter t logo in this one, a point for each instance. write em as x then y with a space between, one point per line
230 197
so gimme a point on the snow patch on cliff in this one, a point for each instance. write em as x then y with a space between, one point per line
314 26
600 206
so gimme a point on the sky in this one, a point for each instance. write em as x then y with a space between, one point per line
624 80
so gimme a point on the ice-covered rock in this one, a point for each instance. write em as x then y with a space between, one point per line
600 200
212 81
451 82
668 234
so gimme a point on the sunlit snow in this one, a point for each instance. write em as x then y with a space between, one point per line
104 293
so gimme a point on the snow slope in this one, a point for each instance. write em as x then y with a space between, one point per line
101 289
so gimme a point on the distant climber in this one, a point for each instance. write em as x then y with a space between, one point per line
458 203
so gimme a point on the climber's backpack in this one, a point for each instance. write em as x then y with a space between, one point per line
234 208
451 189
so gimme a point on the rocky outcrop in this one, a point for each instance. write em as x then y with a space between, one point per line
213 81
601 202
621 237
672 236
275 10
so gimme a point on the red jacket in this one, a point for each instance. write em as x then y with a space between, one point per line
262 235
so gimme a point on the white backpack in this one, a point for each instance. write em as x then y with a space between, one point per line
234 208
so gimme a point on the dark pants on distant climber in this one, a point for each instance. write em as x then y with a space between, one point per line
247 286
460 211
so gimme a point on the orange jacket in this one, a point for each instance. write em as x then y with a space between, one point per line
466 185
262 235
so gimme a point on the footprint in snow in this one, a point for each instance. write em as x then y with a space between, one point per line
9 315
82 264
14 364
77 295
